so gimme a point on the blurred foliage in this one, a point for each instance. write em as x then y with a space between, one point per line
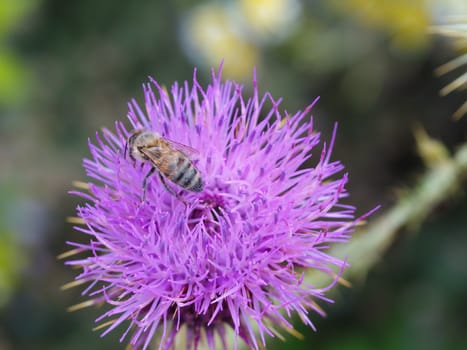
14 77
74 65
14 81
404 21
9 273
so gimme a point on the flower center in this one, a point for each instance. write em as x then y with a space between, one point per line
209 212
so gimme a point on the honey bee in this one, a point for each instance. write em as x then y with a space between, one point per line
170 159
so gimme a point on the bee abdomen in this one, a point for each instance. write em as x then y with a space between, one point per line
191 180
183 165
197 184
187 176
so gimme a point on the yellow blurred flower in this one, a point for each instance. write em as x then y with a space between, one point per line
269 20
210 36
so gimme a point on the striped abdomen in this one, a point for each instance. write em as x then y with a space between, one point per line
181 171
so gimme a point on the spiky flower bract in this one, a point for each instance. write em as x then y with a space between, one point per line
458 31
232 255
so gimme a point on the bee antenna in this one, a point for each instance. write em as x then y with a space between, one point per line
125 149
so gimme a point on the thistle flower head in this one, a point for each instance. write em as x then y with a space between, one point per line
232 255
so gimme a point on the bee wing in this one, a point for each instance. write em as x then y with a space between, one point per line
151 151
184 148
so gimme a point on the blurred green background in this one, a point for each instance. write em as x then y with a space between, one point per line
69 68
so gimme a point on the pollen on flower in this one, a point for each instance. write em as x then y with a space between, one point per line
162 257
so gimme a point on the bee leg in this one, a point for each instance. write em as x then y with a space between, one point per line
150 172
167 187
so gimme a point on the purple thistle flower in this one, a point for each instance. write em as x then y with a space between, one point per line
231 255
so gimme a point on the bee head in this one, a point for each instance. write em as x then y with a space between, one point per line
130 144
